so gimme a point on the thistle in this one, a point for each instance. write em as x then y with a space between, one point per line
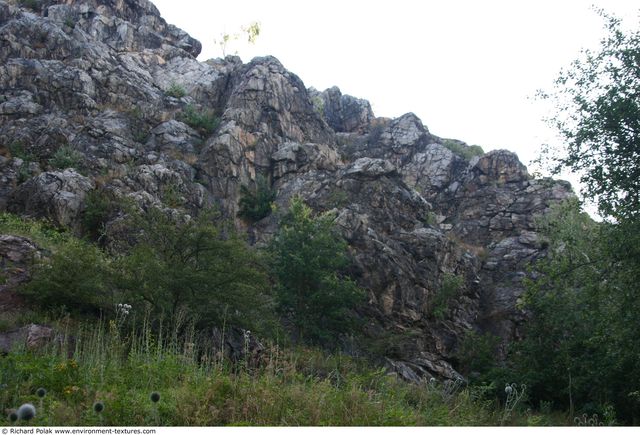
513 397
98 407
26 412
155 397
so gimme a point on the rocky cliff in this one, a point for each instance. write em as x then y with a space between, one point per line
104 94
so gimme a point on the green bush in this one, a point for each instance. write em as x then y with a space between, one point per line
476 355
448 292
309 259
198 266
66 157
176 90
77 277
257 203
465 151
204 121
100 206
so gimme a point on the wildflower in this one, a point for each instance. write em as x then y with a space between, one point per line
26 411
41 392
13 417
98 407
432 380
155 397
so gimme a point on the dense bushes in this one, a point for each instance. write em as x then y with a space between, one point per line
167 265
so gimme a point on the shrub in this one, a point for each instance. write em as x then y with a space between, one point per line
195 265
175 90
18 150
476 356
465 151
65 157
77 276
450 289
100 206
256 204
204 121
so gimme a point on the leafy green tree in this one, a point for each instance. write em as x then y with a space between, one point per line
598 115
581 343
197 265
76 276
309 259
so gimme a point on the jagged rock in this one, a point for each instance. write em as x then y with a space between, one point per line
55 195
97 75
343 113
17 254
32 336
292 157
371 168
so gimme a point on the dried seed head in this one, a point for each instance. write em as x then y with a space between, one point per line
155 397
26 411
41 392
98 407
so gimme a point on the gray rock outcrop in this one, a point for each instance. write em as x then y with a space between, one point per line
113 82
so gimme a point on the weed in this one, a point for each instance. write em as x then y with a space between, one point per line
66 157
175 90
204 121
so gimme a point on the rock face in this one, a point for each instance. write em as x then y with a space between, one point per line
111 84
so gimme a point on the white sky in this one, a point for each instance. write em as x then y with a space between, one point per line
468 69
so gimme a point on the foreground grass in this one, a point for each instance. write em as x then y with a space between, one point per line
198 388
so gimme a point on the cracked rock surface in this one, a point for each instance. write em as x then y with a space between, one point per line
112 83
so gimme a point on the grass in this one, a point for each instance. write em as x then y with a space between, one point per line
203 121
42 233
199 388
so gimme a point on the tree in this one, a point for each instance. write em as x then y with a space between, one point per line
597 113
197 265
581 342
309 260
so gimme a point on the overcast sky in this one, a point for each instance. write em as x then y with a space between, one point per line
468 69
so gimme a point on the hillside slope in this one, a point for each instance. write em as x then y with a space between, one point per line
105 95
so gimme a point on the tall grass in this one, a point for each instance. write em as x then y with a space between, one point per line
119 366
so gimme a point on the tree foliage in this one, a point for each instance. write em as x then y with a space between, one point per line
170 264
582 342
598 114
197 265
309 259
256 203
581 347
